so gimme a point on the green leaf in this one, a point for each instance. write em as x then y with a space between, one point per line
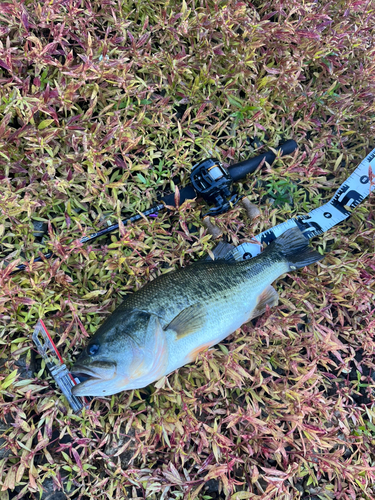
141 178
234 101
241 495
9 379
95 293
224 349
44 124
18 341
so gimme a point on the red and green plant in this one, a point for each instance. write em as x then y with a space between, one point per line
102 103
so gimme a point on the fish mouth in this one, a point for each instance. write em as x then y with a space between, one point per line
83 373
103 370
93 379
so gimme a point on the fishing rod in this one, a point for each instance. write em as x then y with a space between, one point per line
210 180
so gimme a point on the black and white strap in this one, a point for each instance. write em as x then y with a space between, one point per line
349 195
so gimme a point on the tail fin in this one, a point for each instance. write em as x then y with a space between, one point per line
294 247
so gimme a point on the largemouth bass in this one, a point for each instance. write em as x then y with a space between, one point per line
169 321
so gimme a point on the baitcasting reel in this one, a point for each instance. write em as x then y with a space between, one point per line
213 182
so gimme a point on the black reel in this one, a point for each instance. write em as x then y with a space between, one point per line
212 181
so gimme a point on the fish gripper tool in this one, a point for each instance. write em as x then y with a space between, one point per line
54 362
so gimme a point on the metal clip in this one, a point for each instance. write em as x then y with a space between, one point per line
63 378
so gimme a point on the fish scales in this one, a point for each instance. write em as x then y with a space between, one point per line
207 281
173 318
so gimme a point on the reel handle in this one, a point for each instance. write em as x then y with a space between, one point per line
186 193
240 170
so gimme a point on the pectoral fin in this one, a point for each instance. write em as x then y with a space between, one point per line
269 297
188 321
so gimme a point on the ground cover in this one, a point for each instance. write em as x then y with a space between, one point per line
102 106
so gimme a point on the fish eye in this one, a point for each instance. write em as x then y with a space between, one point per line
93 349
